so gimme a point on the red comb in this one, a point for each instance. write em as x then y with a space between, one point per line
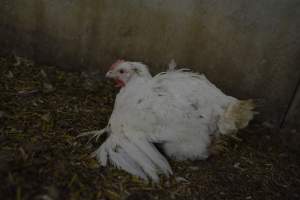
114 65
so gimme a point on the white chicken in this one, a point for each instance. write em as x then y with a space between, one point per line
179 110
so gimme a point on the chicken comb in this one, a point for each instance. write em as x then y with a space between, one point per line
114 65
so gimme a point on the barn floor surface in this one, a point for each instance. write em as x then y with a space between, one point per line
43 109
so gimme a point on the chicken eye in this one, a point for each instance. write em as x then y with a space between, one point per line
121 71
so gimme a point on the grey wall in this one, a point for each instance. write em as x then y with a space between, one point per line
248 48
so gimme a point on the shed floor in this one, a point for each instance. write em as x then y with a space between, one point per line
43 109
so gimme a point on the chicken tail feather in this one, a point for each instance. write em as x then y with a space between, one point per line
237 116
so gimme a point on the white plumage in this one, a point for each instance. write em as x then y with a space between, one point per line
179 110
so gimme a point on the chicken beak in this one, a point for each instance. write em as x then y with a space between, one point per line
108 74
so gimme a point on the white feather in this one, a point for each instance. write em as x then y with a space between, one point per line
172 65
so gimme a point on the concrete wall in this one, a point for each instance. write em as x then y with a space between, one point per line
248 48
